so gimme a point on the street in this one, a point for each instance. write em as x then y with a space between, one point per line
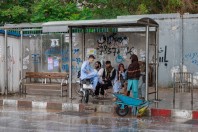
34 120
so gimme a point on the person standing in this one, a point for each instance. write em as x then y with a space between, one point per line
133 75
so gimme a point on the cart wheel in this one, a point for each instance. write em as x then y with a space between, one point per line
122 112
86 96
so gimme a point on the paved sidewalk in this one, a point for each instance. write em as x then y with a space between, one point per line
165 107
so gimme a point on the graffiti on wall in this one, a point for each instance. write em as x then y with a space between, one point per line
2 58
76 51
116 45
77 60
64 55
11 61
113 40
115 51
192 57
75 68
119 59
54 42
35 58
163 55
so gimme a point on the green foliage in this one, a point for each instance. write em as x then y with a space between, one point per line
18 11
114 8
47 10
15 14
53 10
142 9
41 11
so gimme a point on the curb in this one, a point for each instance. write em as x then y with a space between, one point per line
174 113
56 106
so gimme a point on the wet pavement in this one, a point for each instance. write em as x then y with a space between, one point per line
37 120
165 95
182 100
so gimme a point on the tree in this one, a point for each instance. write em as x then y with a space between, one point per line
112 9
14 11
54 10
21 11
18 11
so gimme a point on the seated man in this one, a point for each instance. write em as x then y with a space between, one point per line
99 70
109 75
87 72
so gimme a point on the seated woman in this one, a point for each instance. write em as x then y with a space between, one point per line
120 78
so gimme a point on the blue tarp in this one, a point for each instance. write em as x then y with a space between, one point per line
11 33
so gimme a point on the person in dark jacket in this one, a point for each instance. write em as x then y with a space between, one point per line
133 75
109 75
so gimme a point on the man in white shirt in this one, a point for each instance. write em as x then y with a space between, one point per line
87 72
100 71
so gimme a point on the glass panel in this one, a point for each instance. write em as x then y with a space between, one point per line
55 53
31 53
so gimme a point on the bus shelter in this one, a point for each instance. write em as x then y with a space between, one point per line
107 29
148 25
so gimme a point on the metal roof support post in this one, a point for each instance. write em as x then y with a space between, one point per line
182 43
157 61
147 60
83 45
41 52
70 62
6 62
21 51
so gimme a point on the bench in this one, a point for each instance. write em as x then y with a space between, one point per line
57 81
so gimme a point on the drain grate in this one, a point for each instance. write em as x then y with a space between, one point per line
73 113
192 122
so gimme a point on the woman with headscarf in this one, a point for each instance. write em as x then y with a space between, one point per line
133 75
120 78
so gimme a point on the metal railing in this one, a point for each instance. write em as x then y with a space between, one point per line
183 83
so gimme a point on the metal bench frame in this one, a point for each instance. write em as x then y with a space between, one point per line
44 76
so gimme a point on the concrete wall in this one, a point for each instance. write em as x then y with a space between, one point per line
2 64
13 52
180 38
190 47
